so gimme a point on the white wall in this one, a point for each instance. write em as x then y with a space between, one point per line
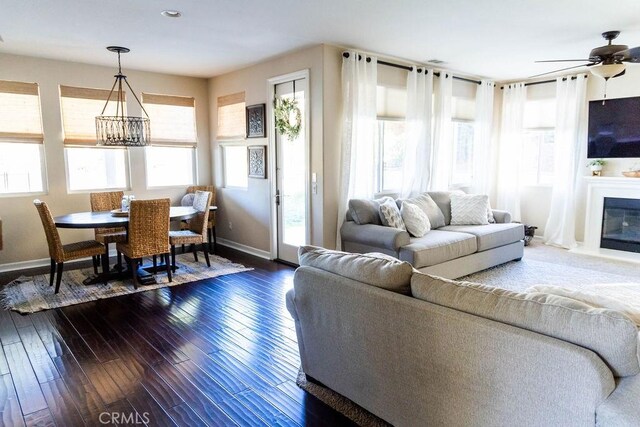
24 238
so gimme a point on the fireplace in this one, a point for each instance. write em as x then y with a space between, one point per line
621 224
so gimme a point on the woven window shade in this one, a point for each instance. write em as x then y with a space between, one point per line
80 106
231 117
173 119
20 119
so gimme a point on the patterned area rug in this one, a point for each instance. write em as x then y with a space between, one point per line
31 294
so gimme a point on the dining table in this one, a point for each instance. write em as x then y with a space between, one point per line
109 219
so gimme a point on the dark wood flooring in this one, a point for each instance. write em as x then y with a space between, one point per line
216 352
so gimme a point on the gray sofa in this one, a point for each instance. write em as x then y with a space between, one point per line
449 251
418 350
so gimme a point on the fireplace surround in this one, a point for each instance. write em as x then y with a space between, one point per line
621 224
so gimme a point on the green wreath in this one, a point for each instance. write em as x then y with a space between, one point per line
288 117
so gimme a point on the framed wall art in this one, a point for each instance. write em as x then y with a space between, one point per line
257 161
256 121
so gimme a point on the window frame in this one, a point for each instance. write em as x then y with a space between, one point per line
194 159
380 191
127 166
223 146
454 152
541 129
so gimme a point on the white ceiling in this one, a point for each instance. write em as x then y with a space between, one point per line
492 38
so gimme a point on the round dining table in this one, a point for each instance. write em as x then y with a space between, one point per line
109 220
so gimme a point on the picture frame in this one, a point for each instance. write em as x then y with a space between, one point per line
257 161
256 127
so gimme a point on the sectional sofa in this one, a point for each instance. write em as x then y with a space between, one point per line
418 350
449 251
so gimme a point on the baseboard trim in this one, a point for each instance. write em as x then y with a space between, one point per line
244 248
43 262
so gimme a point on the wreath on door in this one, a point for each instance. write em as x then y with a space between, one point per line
288 117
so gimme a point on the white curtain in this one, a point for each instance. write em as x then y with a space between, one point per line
443 138
416 172
482 146
569 142
514 98
359 78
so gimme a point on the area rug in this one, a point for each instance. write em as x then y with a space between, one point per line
346 407
33 293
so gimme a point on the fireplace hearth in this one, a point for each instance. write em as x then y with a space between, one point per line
621 224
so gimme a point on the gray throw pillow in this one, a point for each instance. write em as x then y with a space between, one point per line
428 206
390 215
187 200
366 211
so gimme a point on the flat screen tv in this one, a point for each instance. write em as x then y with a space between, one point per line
614 128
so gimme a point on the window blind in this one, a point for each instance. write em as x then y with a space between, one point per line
173 119
391 102
20 119
80 106
231 117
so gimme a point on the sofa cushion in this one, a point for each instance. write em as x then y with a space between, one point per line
379 270
428 206
436 247
390 215
492 235
366 211
443 200
415 220
610 334
469 209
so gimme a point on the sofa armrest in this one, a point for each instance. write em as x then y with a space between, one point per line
622 407
501 217
374 235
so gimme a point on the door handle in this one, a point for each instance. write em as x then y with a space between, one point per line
277 197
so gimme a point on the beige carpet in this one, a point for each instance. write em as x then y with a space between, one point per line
31 294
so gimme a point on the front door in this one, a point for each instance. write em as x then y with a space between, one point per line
291 176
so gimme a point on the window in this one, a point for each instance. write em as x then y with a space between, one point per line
462 170
21 139
234 158
90 167
391 143
538 150
231 117
171 158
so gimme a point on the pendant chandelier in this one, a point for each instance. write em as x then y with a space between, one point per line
121 130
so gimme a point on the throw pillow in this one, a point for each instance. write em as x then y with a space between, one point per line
187 200
490 217
416 221
428 206
366 211
469 209
390 214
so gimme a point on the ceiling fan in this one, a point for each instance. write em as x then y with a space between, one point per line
608 61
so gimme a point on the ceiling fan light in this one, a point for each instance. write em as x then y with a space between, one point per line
606 71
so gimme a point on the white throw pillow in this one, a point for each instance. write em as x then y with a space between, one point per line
490 217
415 219
469 209
390 214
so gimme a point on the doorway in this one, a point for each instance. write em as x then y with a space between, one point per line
290 154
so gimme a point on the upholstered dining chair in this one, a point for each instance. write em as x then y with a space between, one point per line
60 253
102 202
211 224
197 232
148 234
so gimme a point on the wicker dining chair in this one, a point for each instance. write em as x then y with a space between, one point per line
60 253
148 234
197 232
211 224
102 202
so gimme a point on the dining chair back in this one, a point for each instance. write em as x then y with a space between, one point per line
201 203
106 201
211 223
60 253
196 232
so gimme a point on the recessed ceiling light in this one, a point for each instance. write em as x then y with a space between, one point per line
436 61
171 13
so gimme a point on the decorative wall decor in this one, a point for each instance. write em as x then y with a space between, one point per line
257 161
288 117
256 121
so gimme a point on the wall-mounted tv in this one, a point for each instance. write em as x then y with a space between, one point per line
614 128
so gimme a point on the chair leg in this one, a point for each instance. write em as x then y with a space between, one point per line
119 261
59 276
166 261
133 265
95 264
206 254
53 272
173 257
182 249
209 240
105 263
215 242
195 252
155 264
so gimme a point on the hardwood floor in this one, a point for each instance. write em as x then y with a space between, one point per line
216 352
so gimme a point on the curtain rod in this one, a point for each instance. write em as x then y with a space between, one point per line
409 68
564 79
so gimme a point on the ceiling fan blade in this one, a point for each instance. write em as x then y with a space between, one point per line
563 69
563 60
630 55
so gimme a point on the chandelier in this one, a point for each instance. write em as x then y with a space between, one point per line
121 130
